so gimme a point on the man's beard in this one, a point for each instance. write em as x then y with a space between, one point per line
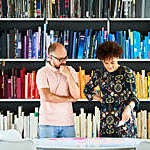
57 67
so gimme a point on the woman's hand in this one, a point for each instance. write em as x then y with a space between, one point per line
126 115
98 98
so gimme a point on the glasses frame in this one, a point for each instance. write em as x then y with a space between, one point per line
60 59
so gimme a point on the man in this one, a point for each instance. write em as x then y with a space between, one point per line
57 84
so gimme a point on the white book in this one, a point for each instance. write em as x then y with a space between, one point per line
20 124
8 120
26 86
97 117
83 123
89 125
5 123
139 125
94 134
35 123
26 127
144 124
1 122
77 125
32 123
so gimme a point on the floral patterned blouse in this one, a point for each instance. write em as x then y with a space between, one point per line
118 90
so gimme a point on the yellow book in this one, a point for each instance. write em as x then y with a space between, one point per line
149 86
146 88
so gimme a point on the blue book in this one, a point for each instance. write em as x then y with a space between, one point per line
139 51
85 44
88 44
44 41
124 44
18 45
95 46
148 45
146 48
74 45
135 44
99 37
117 37
81 46
127 51
69 51
34 45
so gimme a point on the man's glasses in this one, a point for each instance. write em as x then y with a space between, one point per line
60 59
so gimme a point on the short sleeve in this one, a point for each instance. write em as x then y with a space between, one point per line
41 79
74 74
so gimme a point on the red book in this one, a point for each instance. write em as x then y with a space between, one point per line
4 86
19 88
29 77
33 84
9 89
12 84
22 75
37 96
1 91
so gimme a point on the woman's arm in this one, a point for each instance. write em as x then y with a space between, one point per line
89 87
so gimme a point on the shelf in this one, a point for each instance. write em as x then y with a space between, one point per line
135 24
76 24
21 19
76 19
22 24
21 59
31 100
31 59
129 19
20 100
99 60
38 100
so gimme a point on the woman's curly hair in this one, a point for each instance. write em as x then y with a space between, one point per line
109 49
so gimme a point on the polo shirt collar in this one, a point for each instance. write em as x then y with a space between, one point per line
51 67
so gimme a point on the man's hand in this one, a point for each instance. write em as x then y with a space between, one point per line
126 115
65 71
71 99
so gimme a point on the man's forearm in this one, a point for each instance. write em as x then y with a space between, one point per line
50 97
73 87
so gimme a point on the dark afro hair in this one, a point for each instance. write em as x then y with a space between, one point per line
109 49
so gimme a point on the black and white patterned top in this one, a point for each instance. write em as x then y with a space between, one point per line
118 90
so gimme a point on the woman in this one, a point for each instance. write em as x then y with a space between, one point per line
117 84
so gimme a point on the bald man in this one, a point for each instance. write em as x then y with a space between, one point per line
58 88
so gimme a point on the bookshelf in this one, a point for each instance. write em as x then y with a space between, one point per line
75 24
111 25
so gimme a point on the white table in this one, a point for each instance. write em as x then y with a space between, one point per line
88 143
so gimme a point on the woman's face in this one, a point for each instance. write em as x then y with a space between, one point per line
111 64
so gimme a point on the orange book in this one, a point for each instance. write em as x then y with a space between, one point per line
82 82
79 82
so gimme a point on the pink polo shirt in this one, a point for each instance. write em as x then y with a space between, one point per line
55 114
